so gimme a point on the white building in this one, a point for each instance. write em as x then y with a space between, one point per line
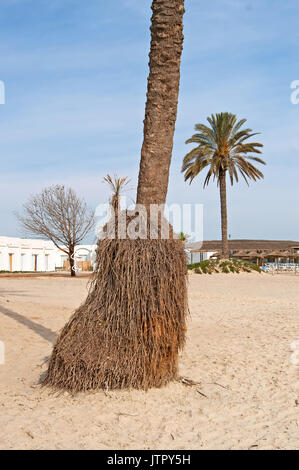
196 252
201 251
22 254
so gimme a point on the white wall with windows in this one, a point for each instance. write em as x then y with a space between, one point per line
197 256
22 254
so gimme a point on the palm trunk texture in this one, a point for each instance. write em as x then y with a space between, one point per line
129 331
162 100
222 183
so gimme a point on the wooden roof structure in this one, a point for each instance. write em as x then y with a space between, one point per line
258 246
265 254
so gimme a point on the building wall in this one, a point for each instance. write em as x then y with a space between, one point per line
19 254
197 256
82 253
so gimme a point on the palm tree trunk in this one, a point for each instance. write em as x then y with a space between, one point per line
222 182
130 329
162 100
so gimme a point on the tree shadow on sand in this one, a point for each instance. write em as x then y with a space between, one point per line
41 330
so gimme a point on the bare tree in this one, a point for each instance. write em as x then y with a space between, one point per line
58 214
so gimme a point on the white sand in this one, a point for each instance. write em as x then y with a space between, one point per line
238 347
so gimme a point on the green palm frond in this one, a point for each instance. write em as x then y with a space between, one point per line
223 146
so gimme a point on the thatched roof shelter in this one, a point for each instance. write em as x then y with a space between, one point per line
247 254
282 254
265 254
244 245
216 255
255 254
291 255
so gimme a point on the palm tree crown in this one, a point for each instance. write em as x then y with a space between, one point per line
223 147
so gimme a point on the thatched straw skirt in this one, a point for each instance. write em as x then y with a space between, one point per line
131 327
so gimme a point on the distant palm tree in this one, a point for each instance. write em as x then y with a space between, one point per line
222 148
117 185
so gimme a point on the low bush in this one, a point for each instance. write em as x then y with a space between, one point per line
233 265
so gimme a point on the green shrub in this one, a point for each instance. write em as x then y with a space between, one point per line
193 266
197 271
225 269
233 265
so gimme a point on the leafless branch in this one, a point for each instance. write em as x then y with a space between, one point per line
59 215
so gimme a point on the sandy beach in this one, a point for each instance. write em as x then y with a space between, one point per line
238 349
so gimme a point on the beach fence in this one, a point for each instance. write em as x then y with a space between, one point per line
281 267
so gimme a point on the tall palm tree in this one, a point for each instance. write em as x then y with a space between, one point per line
132 324
223 148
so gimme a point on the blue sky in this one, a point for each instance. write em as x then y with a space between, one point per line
75 75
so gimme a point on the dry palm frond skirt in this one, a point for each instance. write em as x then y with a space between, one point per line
132 325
